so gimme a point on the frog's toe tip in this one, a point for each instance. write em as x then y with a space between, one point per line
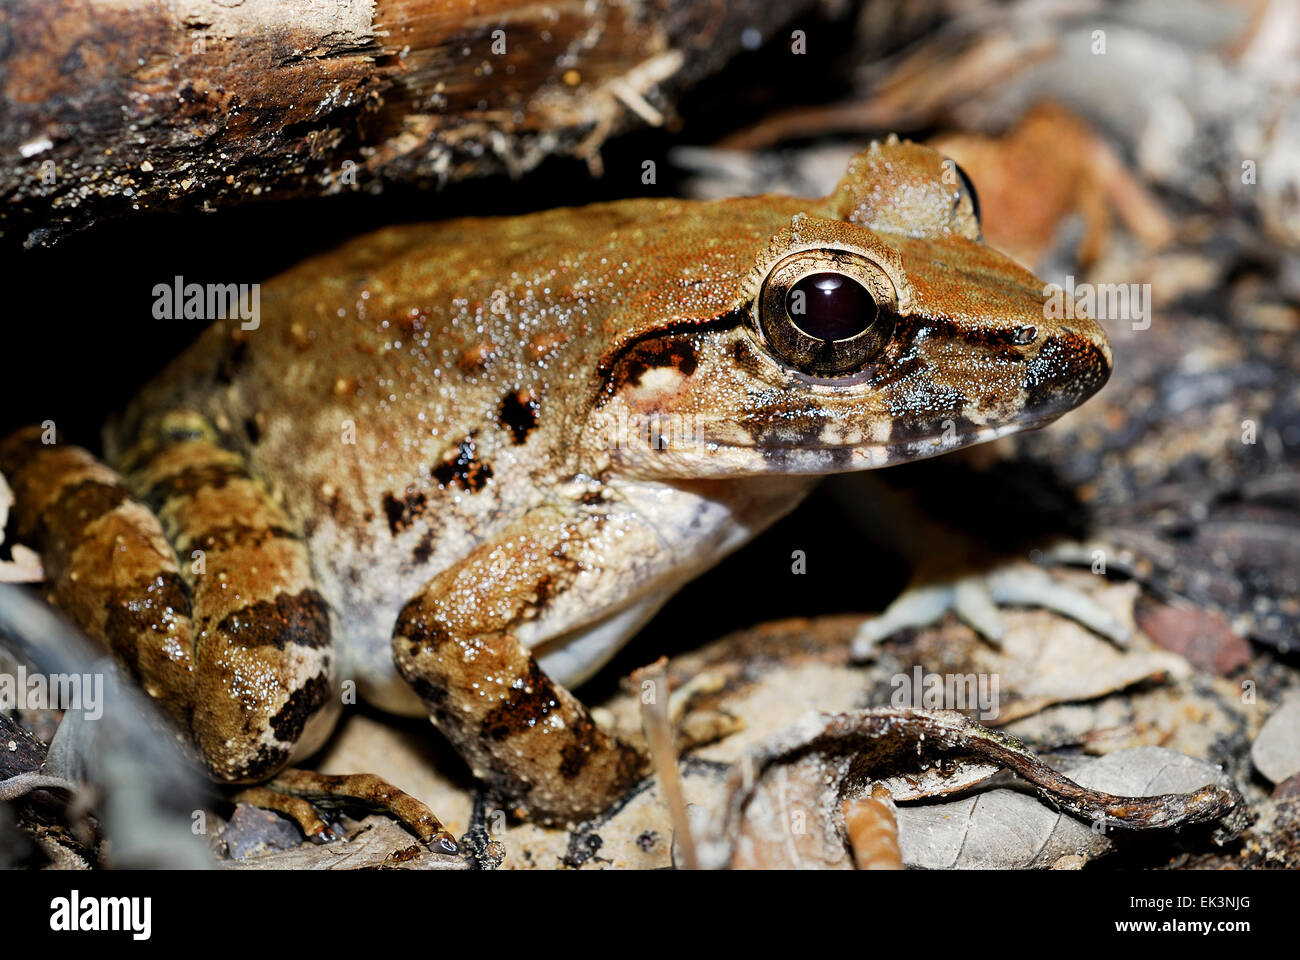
326 834
444 843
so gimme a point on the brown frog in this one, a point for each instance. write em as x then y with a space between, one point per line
459 464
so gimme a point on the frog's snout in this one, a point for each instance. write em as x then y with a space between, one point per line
1072 362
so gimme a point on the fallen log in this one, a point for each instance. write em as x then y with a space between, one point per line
109 107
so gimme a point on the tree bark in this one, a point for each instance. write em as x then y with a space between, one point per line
108 107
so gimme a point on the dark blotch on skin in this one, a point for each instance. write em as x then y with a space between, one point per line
269 760
423 549
676 352
78 506
301 619
576 753
136 611
238 534
231 362
297 710
424 637
614 371
208 476
528 707
1067 370
431 696
519 414
401 512
746 360
463 468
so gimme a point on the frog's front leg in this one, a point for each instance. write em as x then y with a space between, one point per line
458 644
235 642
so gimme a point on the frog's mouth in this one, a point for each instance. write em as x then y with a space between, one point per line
845 458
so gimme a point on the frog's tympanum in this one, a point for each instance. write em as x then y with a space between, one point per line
459 464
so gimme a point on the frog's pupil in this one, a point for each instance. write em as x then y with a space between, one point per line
830 306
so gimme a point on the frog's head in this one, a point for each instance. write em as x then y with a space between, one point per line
875 328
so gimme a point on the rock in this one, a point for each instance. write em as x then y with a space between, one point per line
251 832
1276 751
1203 637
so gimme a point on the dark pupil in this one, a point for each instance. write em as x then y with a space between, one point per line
830 306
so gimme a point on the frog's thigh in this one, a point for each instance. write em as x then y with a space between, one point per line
231 642
107 562
457 644
262 690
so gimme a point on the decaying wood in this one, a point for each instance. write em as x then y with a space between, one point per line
114 106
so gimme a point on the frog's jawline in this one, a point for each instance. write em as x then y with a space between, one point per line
850 457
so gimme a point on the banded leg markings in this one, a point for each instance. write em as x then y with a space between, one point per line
263 655
107 562
370 791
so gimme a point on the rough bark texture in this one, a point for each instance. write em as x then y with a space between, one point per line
114 106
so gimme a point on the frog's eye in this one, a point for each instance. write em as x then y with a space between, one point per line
826 312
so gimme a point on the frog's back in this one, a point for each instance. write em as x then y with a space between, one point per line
413 391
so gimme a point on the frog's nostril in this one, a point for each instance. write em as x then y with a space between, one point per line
1065 370
1024 335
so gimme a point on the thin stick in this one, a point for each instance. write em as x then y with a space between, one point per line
653 682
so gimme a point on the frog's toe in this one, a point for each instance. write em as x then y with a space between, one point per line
365 790
974 603
443 842
313 826
327 834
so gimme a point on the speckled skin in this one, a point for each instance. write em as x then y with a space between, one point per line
441 412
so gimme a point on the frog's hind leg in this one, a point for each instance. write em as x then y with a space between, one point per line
527 737
107 562
263 686
234 642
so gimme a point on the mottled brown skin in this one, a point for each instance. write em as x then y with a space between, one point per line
440 415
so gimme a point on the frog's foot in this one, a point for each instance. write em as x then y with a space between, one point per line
975 598
297 793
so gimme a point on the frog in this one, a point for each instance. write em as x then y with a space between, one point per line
453 467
